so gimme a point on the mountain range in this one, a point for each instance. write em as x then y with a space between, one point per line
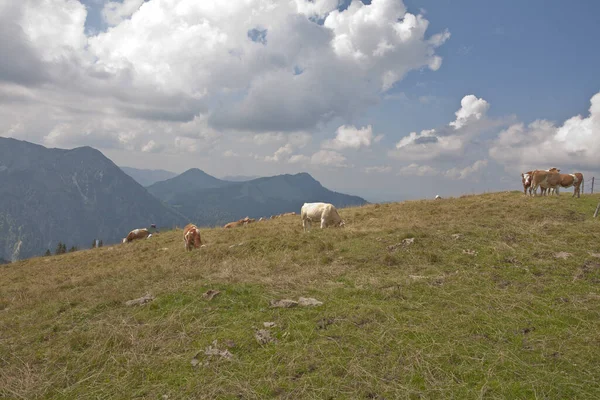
147 177
71 196
50 195
211 201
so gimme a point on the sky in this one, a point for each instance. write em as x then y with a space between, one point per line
386 99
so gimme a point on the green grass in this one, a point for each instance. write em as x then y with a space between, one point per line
418 322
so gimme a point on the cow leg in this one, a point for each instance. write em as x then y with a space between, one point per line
305 224
556 191
323 223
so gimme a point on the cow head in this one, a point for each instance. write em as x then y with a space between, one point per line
554 169
124 240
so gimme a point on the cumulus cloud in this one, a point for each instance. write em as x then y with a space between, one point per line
171 61
471 109
115 12
350 137
451 140
230 153
574 144
281 154
474 169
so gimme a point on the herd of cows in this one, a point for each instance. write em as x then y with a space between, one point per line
325 213
550 180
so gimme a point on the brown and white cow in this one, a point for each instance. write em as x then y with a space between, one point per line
135 234
546 179
191 237
568 180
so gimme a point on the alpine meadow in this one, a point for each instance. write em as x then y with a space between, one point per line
486 296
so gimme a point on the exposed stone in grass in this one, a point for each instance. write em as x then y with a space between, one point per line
284 303
141 301
597 255
308 302
235 245
457 236
269 324
470 252
302 302
210 294
214 351
562 254
408 241
263 336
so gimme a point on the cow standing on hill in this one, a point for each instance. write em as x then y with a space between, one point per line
191 237
546 179
323 212
136 234
568 180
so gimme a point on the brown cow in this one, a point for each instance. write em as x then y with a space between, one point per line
136 234
546 179
191 237
526 180
243 221
568 180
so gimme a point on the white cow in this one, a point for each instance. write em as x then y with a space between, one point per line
323 212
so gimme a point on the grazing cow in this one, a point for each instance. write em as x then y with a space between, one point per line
136 234
438 197
546 179
323 212
191 237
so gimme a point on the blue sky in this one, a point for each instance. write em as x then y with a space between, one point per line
182 84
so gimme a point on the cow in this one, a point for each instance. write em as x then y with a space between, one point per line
288 214
546 179
568 180
191 237
136 234
233 224
526 180
438 197
323 212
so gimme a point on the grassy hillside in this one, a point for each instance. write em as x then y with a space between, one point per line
497 312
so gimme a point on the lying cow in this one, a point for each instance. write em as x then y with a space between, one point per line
323 212
136 234
191 237
243 221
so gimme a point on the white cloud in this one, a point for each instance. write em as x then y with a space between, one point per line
328 158
152 147
115 12
574 144
418 170
230 153
449 141
380 169
166 63
471 109
457 173
350 137
281 154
